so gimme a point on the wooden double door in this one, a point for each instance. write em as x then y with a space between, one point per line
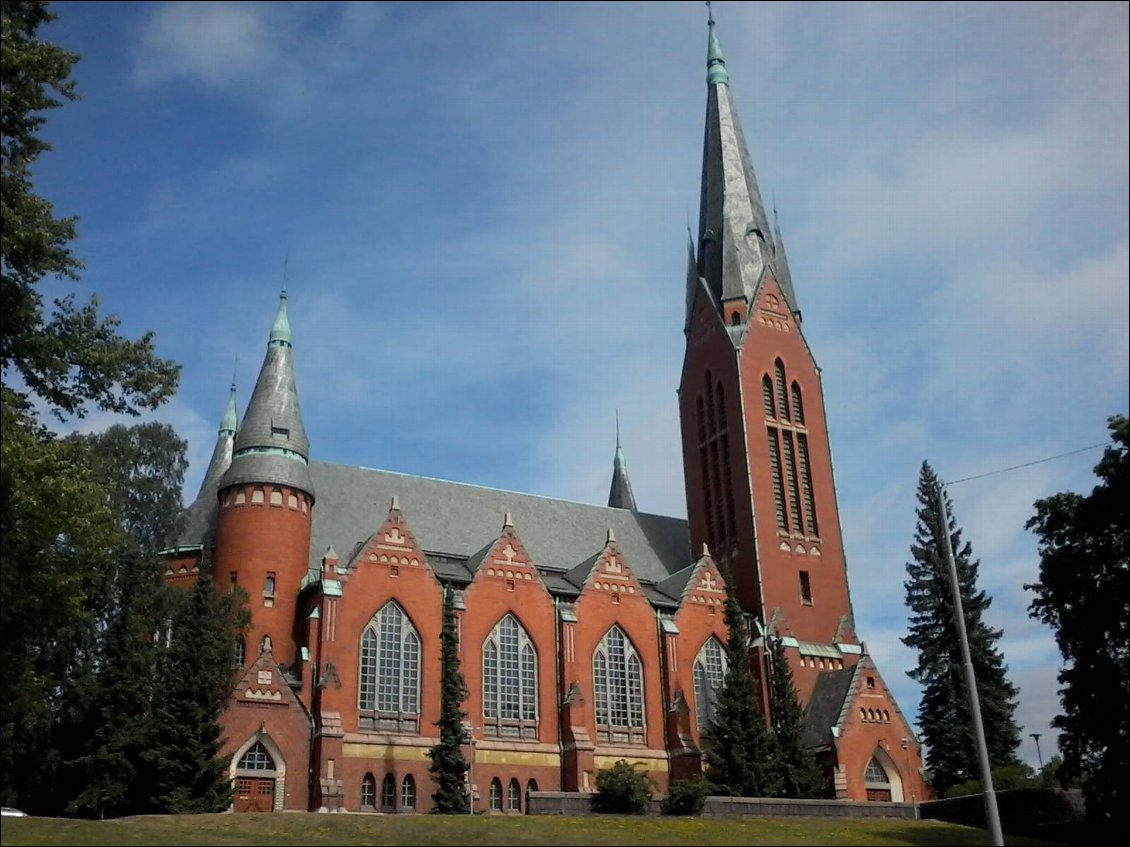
254 794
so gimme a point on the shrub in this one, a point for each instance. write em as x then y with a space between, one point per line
623 790
688 795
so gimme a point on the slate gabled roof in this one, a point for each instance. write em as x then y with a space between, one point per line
826 705
458 520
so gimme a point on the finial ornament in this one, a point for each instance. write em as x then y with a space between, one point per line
709 14
394 506
617 429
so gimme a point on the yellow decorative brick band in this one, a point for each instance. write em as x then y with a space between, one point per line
651 764
385 751
517 757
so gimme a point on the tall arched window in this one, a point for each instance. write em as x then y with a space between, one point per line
782 391
388 793
408 793
798 406
496 795
514 796
709 673
368 792
810 522
390 672
618 689
767 397
510 682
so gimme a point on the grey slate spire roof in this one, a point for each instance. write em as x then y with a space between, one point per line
200 517
271 445
620 494
735 242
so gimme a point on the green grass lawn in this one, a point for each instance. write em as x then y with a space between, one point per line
314 829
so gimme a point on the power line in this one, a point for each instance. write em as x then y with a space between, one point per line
1029 464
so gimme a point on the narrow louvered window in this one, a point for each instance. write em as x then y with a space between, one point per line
798 405
782 392
767 397
806 486
791 478
778 482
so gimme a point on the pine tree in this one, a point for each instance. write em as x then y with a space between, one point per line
739 748
1083 593
797 770
195 679
449 767
943 714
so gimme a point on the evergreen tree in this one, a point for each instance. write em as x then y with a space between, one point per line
943 715
739 748
1084 594
797 771
449 767
195 679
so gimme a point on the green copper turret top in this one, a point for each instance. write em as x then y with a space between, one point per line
715 62
231 419
280 332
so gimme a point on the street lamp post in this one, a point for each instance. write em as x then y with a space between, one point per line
1039 757
992 815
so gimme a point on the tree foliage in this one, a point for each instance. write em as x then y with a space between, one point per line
944 715
798 774
449 766
740 751
71 357
1083 593
623 790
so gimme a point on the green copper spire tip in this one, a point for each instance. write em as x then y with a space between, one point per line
715 63
280 332
231 420
618 456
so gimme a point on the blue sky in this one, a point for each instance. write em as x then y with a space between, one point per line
481 210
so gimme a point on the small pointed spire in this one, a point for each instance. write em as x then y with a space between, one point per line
280 332
715 62
620 493
231 418
611 537
394 506
705 549
507 521
784 275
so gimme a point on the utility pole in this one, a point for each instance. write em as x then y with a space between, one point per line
992 816
1039 757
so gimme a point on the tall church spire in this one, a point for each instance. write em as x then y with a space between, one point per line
620 494
271 445
200 517
735 241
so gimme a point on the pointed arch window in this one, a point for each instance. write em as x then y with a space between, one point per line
782 391
390 672
618 690
876 782
709 673
510 682
368 792
388 793
778 479
798 405
257 758
767 397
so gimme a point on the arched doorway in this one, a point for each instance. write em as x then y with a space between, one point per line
881 778
259 772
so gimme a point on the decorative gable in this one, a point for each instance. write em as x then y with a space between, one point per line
392 547
263 682
772 308
611 573
507 559
707 586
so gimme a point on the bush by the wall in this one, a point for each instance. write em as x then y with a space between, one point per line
687 796
623 790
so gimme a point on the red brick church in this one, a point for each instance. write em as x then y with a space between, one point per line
587 633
